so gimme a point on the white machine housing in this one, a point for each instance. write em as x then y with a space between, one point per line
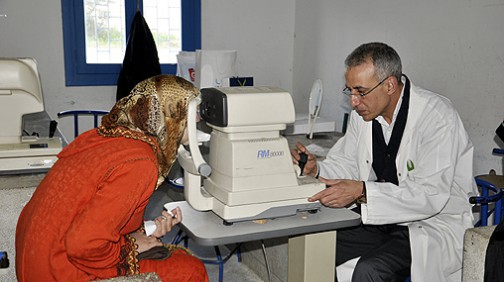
21 94
250 173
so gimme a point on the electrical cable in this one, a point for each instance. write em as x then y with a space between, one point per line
266 260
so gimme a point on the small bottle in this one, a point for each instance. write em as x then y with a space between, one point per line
4 263
4 260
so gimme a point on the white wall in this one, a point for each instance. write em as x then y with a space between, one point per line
262 32
452 47
34 29
455 48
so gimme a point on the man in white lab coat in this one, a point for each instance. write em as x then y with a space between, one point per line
406 162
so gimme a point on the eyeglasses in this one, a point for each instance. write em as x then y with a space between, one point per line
348 91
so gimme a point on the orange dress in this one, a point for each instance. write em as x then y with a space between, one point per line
75 226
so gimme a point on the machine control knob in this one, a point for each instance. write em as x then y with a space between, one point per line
205 170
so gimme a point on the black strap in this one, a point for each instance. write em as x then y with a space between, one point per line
384 155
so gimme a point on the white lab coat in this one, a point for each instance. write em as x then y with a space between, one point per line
432 197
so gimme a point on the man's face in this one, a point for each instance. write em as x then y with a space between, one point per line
361 79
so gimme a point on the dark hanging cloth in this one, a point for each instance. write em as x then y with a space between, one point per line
500 131
141 60
384 155
494 259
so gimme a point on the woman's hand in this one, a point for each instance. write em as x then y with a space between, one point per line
165 222
310 167
145 242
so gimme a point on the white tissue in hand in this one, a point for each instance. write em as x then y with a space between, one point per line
150 227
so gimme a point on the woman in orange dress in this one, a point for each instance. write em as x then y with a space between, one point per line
84 221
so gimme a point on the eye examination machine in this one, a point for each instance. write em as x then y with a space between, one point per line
22 150
248 173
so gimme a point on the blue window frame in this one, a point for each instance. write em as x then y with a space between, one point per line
80 73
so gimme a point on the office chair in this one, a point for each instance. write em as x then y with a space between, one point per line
77 113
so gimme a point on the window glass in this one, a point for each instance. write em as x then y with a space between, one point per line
105 31
95 35
165 22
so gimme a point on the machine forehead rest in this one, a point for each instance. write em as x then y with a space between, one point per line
246 106
20 74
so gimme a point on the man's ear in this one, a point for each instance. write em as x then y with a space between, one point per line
392 85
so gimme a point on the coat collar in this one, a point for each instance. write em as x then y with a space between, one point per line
415 110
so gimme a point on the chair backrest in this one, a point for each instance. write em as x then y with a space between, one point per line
491 186
77 113
489 194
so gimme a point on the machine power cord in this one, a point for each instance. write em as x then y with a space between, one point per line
266 260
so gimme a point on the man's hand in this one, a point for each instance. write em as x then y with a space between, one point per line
339 192
311 165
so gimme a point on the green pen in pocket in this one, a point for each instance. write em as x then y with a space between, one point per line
410 165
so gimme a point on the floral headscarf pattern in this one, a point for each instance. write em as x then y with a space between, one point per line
155 112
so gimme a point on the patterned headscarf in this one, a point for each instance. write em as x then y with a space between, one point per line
155 112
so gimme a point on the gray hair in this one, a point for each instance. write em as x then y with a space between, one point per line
384 58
